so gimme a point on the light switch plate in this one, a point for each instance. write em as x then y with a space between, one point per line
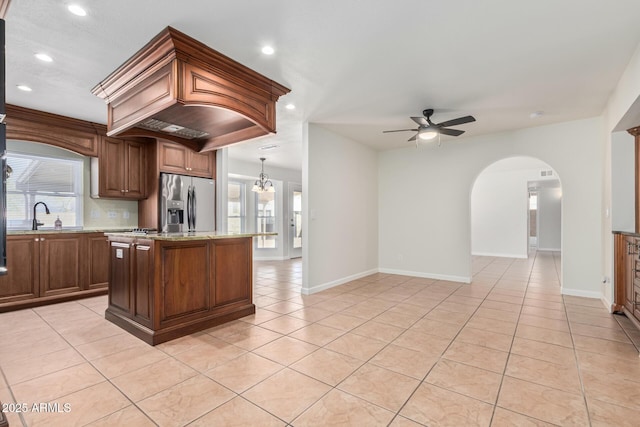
119 253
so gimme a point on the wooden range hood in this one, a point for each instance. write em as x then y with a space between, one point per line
178 89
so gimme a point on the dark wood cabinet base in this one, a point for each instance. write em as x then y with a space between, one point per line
162 288
159 336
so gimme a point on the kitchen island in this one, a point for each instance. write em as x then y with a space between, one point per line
166 285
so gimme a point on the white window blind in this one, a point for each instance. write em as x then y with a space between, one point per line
55 181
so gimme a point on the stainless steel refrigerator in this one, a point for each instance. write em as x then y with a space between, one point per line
187 203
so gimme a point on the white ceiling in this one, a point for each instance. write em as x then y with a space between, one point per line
357 67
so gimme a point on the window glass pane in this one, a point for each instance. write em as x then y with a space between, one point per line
297 219
266 219
56 182
236 207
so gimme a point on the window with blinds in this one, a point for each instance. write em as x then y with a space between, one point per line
54 181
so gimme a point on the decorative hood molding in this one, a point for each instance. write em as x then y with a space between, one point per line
178 89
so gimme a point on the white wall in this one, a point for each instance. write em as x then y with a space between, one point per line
549 219
499 214
340 184
425 226
623 195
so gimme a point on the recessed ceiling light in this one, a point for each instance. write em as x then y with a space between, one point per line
268 147
77 10
536 114
24 88
44 57
268 50
290 107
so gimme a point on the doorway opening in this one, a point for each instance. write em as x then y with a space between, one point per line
516 207
533 220
295 221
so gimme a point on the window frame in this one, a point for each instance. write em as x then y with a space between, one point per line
31 197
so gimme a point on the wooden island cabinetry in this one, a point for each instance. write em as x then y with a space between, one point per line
50 267
163 286
627 275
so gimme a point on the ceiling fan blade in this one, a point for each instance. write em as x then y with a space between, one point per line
400 130
458 121
420 120
413 138
451 132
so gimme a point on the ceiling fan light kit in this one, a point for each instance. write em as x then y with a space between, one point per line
427 130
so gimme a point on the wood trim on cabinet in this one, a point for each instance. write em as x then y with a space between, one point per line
179 80
80 136
620 270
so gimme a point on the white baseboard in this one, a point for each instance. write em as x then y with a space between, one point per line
606 303
269 258
550 249
581 293
341 281
450 278
520 256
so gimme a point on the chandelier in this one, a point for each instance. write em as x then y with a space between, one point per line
263 184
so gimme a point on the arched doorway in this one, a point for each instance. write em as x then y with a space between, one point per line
516 209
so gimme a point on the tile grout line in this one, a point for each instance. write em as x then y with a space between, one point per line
96 369
449 345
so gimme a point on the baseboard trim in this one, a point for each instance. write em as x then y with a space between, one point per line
580 293
270 258
421 274
337 282
550 249
519 256
607 303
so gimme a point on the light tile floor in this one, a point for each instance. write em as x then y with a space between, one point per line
382 350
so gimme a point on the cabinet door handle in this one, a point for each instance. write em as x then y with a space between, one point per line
42 239
122 191
36 239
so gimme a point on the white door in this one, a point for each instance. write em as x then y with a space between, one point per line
295 221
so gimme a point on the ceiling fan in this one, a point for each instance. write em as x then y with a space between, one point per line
428 130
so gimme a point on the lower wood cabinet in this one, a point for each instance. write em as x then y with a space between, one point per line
51 267
163 289
627 276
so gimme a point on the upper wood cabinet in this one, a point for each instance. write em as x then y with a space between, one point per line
176 158
123 166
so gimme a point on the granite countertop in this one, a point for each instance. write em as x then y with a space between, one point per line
197 235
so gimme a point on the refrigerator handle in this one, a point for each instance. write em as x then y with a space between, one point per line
193 207
189 208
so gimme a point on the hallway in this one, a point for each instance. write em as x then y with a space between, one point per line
382 350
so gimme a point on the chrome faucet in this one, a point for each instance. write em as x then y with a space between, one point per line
35 221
